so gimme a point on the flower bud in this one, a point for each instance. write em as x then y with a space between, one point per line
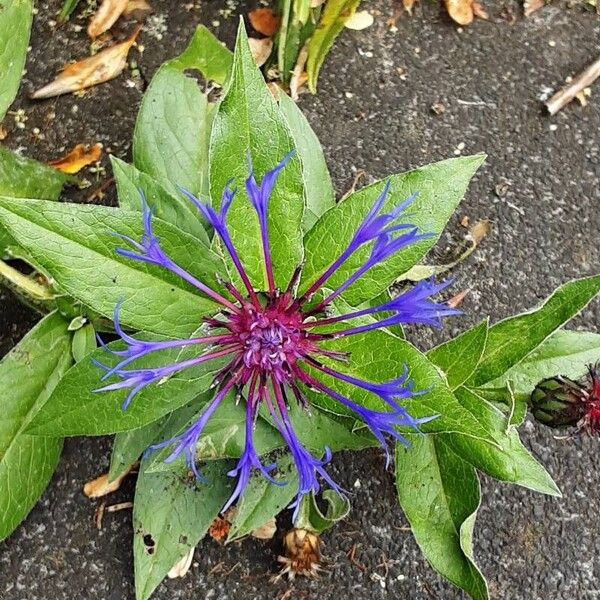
558 402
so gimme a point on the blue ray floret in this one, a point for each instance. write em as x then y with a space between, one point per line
271 344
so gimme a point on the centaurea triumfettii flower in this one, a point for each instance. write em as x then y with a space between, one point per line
273 340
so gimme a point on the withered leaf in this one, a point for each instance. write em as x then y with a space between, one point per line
137 6
260 50
265 531
101 67
102 487
80 156
530 6
480 230
408 5
182 566
264 21
460 11
359 20
105 17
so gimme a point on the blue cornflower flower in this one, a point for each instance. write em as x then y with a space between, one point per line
272 344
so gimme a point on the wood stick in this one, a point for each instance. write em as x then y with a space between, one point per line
567 93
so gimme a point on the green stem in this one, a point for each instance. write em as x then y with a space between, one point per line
25 285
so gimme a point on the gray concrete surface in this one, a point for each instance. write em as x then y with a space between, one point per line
490 77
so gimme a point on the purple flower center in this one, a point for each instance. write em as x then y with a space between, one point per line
273 340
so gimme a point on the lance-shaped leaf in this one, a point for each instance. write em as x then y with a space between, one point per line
172 130
317 182
27 376
75 408
565 353
76 246
506 460
15 25
440 187
263 500
168 204
336 13
439 494
377 357
171 514
459 357
26 178
249 123
512 339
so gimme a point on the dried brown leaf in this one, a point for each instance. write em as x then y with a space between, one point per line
102 487
260 50
408 5
359 20
530 6
181 567
480 230
299 76
266 531
104 66
479 11
264 20
137 6
457 300
105 17
219 529
80 156
460 11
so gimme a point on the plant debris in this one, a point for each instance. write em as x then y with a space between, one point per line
464 11
101 486
104 66
264 21
359 20
260 49
137 6
105 17
302 554
530 6
574 87
265 531
181 567
408 5
219 529
79 157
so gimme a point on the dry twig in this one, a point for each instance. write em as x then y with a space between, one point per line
567 93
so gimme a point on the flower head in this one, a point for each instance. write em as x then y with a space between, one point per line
274 343
562 402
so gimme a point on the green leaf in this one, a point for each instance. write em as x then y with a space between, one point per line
28 375
565 353
439 494
15 25
440 187
378 356
459 357
69 240
25 178
206 54
170 140
317 182
263 500
512 339
312 518
168 204
335 14
67 9
249 122
512 404
75 409
128 446
224 434
171 514
507 460
84 342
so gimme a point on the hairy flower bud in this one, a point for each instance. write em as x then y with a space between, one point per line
557 402
561 402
